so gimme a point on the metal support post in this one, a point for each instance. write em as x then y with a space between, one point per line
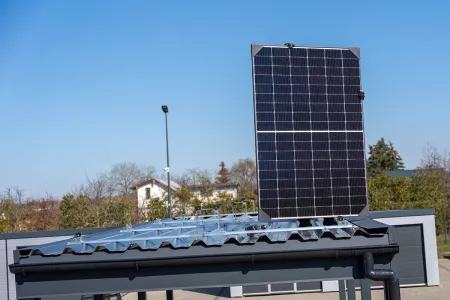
366 289
168 172
342 295
351 294
169 295
142 296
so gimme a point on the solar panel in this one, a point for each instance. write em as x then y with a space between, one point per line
309 132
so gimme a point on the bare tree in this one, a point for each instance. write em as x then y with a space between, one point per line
184 178
432 159
244 173
148 172
97 191
124 175
98 187
198 176
16 196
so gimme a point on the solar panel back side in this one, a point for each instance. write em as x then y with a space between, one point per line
309 132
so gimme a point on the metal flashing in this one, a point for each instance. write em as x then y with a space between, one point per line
365 211
356 51
51 233
401 213
256 48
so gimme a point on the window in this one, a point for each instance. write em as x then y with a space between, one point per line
147 193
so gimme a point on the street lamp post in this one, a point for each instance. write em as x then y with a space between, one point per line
167 169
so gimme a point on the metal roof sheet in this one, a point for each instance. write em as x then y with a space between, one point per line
185 232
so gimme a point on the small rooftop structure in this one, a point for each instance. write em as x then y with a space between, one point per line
201 251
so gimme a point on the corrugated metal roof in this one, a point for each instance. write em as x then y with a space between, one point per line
188 231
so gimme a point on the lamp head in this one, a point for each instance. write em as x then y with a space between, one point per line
165 109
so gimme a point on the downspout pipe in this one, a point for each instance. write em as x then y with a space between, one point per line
391 283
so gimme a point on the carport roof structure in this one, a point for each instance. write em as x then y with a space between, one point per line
203 251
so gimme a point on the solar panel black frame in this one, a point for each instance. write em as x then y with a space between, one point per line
269 205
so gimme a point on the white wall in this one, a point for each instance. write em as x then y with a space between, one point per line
156 191
216 192
229 191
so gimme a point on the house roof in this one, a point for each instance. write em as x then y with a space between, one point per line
411 173
173 185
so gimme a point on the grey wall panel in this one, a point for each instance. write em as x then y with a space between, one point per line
13 244
409 263
282 287
309 286
408 235
429 240
3 271
255 289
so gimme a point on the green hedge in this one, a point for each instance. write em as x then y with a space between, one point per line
423 190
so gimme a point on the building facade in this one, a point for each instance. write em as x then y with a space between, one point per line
157 188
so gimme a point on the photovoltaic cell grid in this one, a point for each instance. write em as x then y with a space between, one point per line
309 132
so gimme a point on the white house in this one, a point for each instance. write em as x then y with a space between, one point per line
157 188
153 188
217 188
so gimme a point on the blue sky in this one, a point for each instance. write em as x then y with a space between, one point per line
82 82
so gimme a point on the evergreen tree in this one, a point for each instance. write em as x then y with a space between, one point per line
383 157
223 174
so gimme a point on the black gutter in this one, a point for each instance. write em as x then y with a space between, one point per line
391 283
252 258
